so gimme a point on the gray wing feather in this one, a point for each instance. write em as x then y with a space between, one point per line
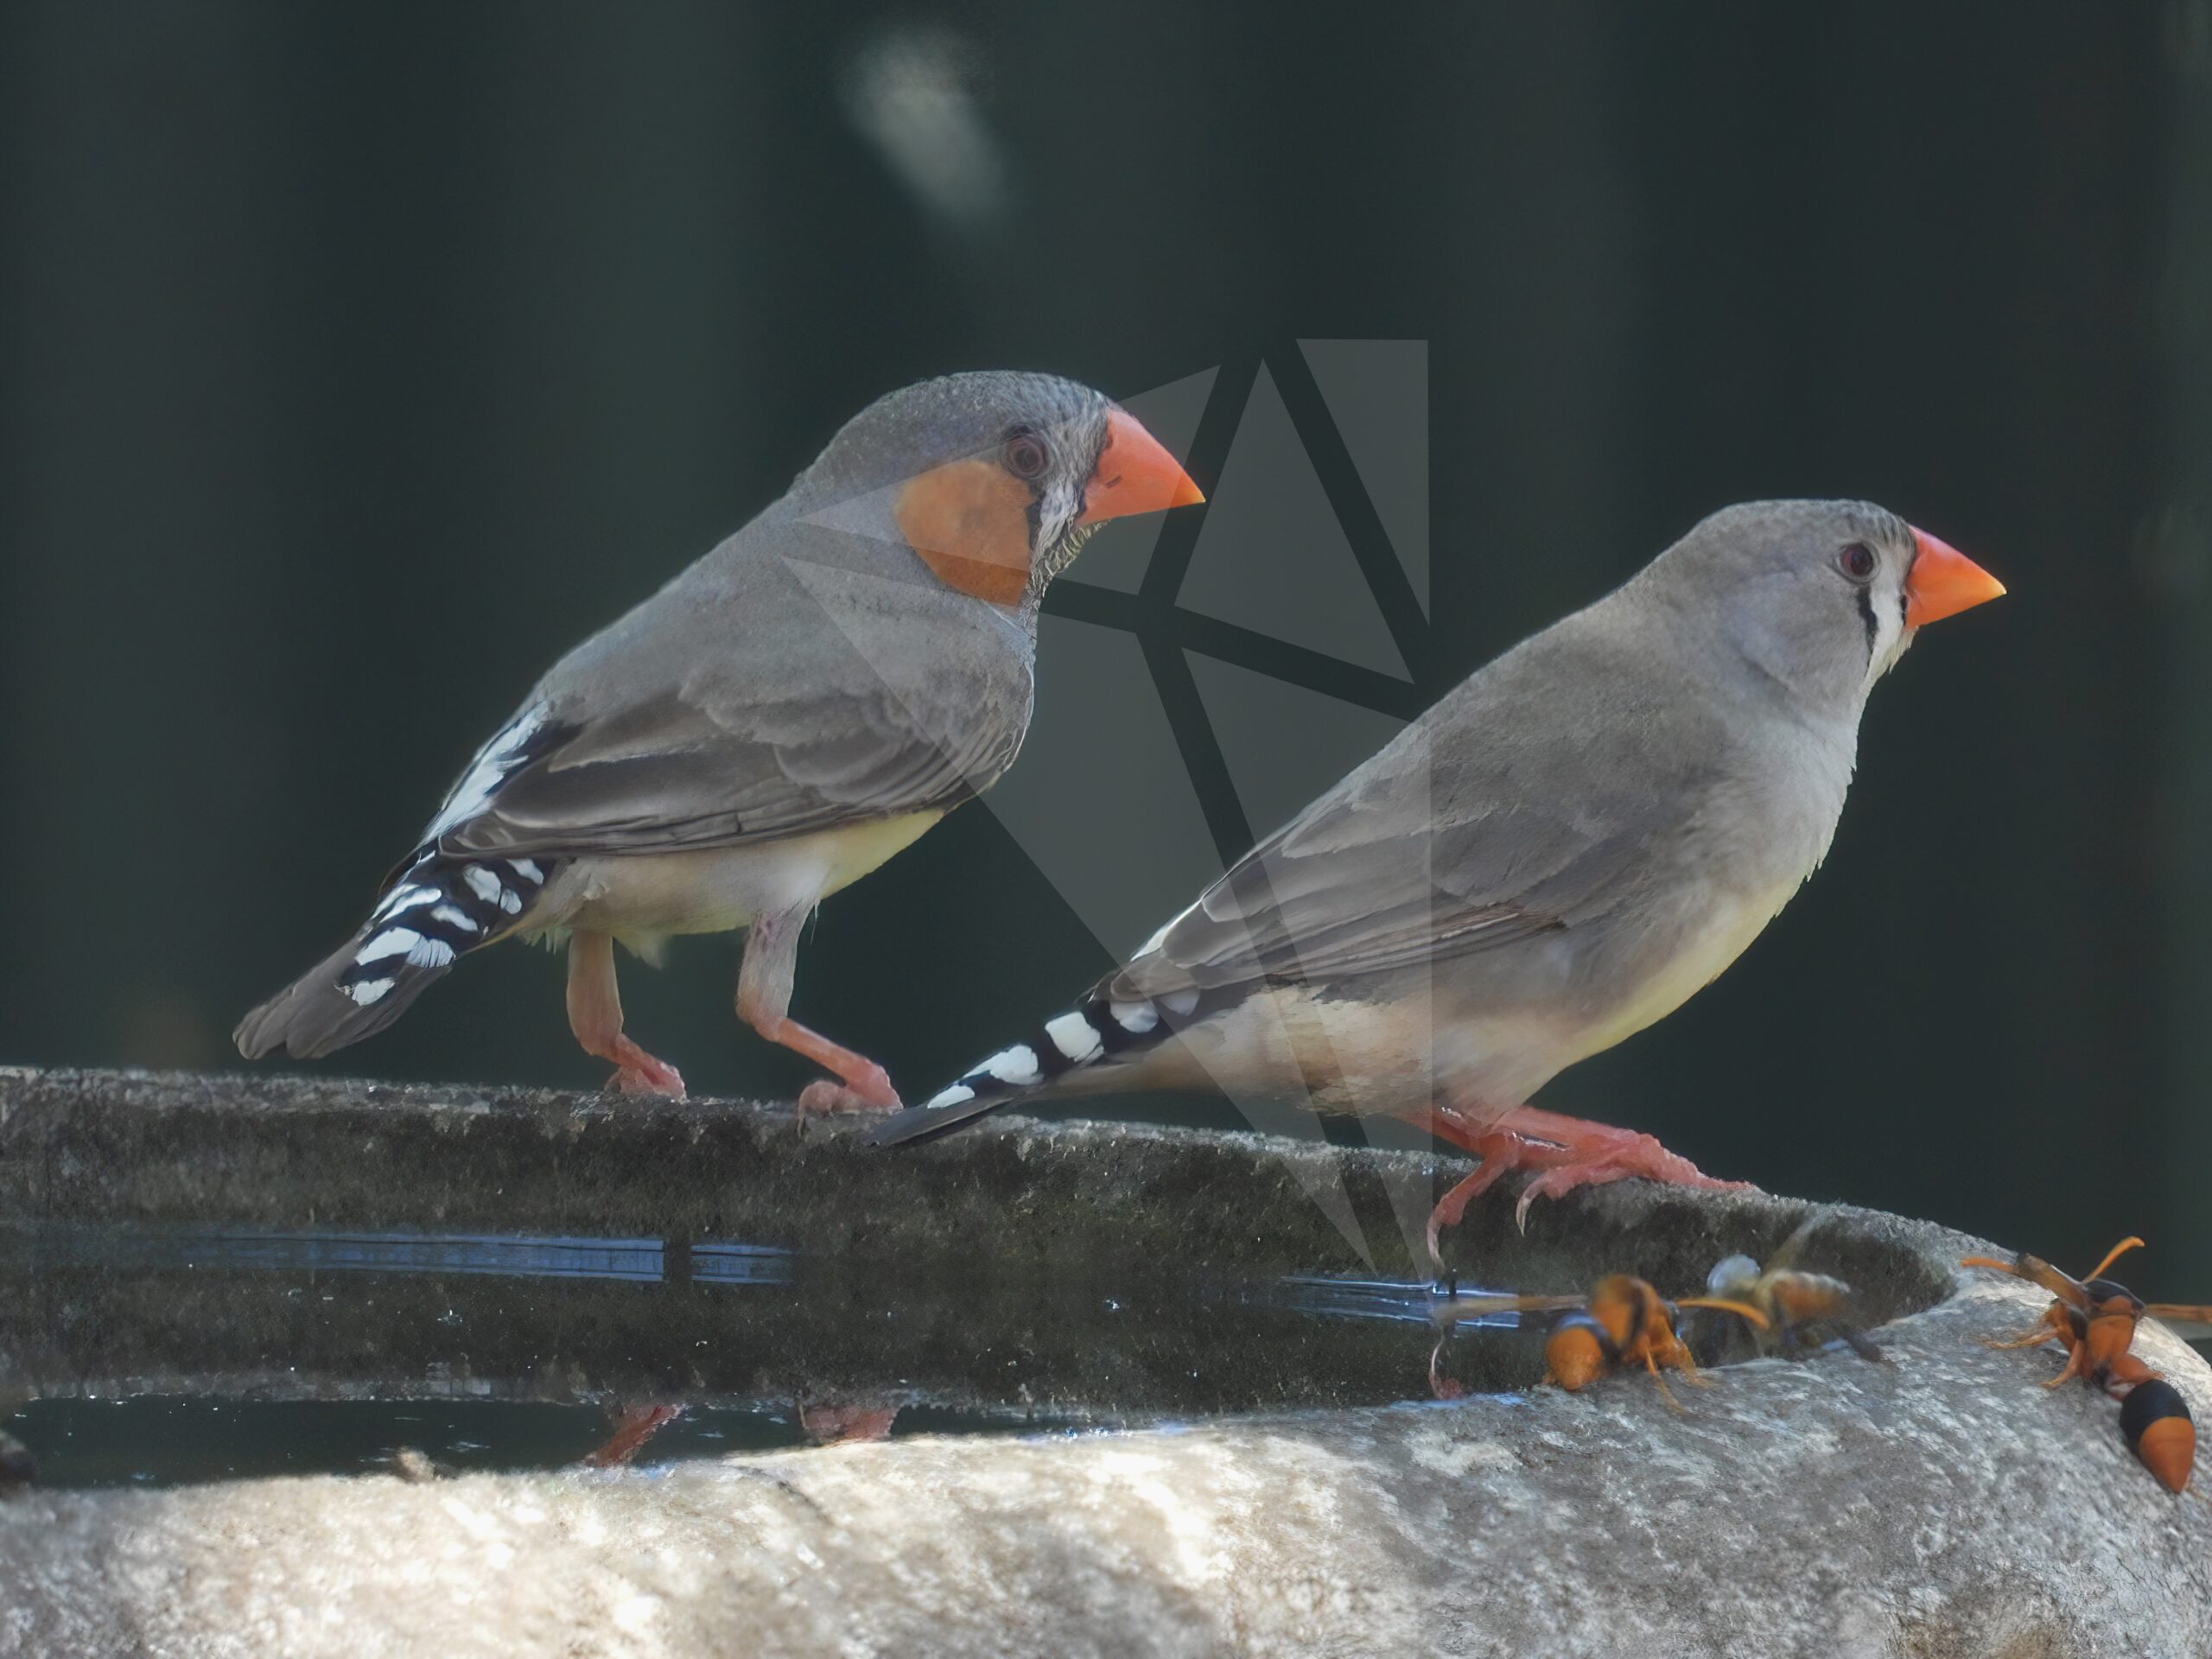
1522 804
758 697
668 776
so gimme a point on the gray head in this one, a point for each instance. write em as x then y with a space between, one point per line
1822 597
994 480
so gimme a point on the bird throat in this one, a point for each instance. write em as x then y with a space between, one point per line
968 522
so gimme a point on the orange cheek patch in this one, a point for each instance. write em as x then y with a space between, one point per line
969 521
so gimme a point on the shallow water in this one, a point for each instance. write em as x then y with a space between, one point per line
203 1278
155 1356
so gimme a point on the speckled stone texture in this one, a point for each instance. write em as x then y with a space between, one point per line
1940 1507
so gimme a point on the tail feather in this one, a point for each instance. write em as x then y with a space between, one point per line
1096 1032
433 914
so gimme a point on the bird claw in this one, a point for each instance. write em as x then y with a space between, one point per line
1642 1156
648 1077
1568 1151
871 1086
825 1096
1441 1387
1495 1151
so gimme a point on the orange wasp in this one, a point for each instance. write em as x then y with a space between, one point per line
2095 1321
1805 1311
1623 1322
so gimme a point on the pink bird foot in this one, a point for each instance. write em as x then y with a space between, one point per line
1614 1155
595 1017
826 1097
1571 1152
641 1073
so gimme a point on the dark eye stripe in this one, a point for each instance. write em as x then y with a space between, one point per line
1873 626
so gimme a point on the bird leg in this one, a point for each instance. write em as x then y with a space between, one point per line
764 992
1570 1152
1589 1154
633 1427
836 1425
595 1016
1498 1150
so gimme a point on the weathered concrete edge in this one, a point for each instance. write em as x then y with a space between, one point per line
1360 1530
1944 1506
273 1148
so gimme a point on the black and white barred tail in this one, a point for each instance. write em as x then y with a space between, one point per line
1095 1032
434 913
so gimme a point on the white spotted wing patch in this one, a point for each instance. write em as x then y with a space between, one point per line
1095 1032
1135 1018
1017 1066
390 942
405 898
497 761
437 910
1076 1038
1098 1031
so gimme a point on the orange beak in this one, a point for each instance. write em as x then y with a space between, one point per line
1944 581
1134 475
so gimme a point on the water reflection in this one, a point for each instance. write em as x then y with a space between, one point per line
159 1354
516 1256
1412 1301
135 1354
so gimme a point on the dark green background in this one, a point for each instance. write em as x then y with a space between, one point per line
355 361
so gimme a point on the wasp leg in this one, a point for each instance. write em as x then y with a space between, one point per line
1863 1346
2050 1326
2074 1356
1651 1364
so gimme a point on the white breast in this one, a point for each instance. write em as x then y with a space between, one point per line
648 895
1708 944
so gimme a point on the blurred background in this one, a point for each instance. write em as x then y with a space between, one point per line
356 361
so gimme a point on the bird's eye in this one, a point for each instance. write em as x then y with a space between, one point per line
1857 561
1025 455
